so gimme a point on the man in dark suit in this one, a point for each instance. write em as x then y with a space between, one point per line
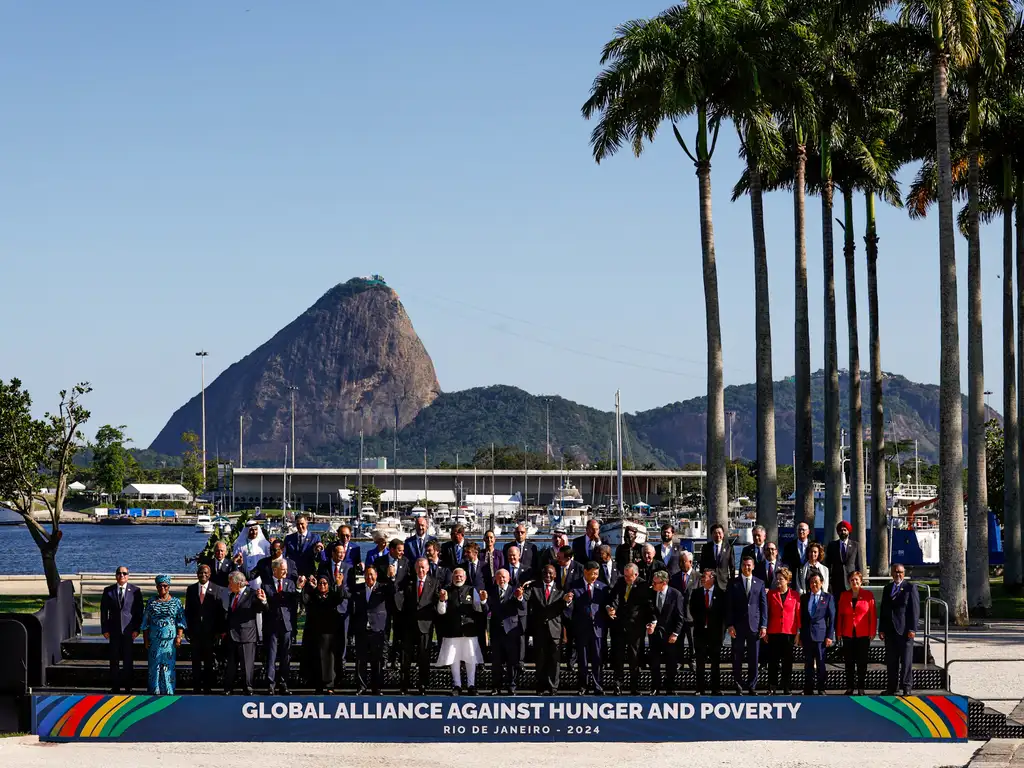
670 550
769 566
842 557
453 553
416 604
897 626
416 545
817 632
650 564
476 578
369 614
335 565
204 616
527 549
663 632
264 569
607 573
707 606
716 555
518 574
584 547
685 582
629 608
507 612
280 619
747 617
628 551
587 621
241 605
545 605
221 566
436 567
350 552
568 572
120 622
298 547
794 555
755 549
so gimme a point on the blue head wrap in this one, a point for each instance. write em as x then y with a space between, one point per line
163 579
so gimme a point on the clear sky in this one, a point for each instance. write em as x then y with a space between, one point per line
194 174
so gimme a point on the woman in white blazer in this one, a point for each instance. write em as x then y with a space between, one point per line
814 564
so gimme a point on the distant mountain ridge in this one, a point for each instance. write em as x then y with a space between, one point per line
354 355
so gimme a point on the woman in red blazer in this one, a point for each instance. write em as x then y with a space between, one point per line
856 624
783 626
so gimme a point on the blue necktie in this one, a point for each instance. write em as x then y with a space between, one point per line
814 604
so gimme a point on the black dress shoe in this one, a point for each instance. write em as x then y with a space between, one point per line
362 691
771 691
456 691
617 690
716 693
511 691
423 691
270 690
330 692
786 692
471 691
906 692
888 692
248 692
599 691
821 691
848 692
404 692
376 692
860 692
739 690
751 691
581 692
229 693
495 692
657 692
283 690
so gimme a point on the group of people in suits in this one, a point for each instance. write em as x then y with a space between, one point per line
582 603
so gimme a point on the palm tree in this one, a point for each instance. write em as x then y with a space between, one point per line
956 30
687 61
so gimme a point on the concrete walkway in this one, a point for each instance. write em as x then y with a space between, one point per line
999 752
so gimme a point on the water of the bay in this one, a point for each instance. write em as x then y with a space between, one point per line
87 548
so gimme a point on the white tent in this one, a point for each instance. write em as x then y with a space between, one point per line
157 491
76 486
503 503
414 495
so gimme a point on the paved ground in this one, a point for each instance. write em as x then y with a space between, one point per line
986 680
26 752
999 752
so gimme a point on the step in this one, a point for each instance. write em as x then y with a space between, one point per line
95 674
95 647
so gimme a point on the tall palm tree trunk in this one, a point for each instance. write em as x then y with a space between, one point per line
1014 573
833 461
879 511
767 499
952 572
718 500
803 435
979 597
857 515
1011 453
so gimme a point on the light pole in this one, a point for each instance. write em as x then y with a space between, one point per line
202 355
293 389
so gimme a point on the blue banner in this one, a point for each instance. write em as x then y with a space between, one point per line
483 718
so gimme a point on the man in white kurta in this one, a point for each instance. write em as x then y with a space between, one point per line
253 547
457 607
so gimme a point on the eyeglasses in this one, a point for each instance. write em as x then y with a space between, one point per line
122 573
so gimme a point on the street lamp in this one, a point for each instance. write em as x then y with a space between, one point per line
202 355
293 389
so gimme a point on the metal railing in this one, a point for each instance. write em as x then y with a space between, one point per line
99 581
949 684
926 639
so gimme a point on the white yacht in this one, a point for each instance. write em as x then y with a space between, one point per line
204 524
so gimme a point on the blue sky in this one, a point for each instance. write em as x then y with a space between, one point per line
194 174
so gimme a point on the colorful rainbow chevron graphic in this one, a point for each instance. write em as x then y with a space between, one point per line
922 717
95 716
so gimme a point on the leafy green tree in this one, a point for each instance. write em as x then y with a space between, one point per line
371 495
994 446
38 453
192 465
110 459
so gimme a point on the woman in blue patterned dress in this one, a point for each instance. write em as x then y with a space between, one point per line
163 625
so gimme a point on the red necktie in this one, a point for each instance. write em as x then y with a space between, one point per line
202 595
234 603
419 590
280 587
590 591
547 592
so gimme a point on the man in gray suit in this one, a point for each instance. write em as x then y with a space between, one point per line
120 622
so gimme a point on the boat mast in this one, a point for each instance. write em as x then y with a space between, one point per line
618 446
284 488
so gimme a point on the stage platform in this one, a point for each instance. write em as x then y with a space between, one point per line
84 667
929 717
